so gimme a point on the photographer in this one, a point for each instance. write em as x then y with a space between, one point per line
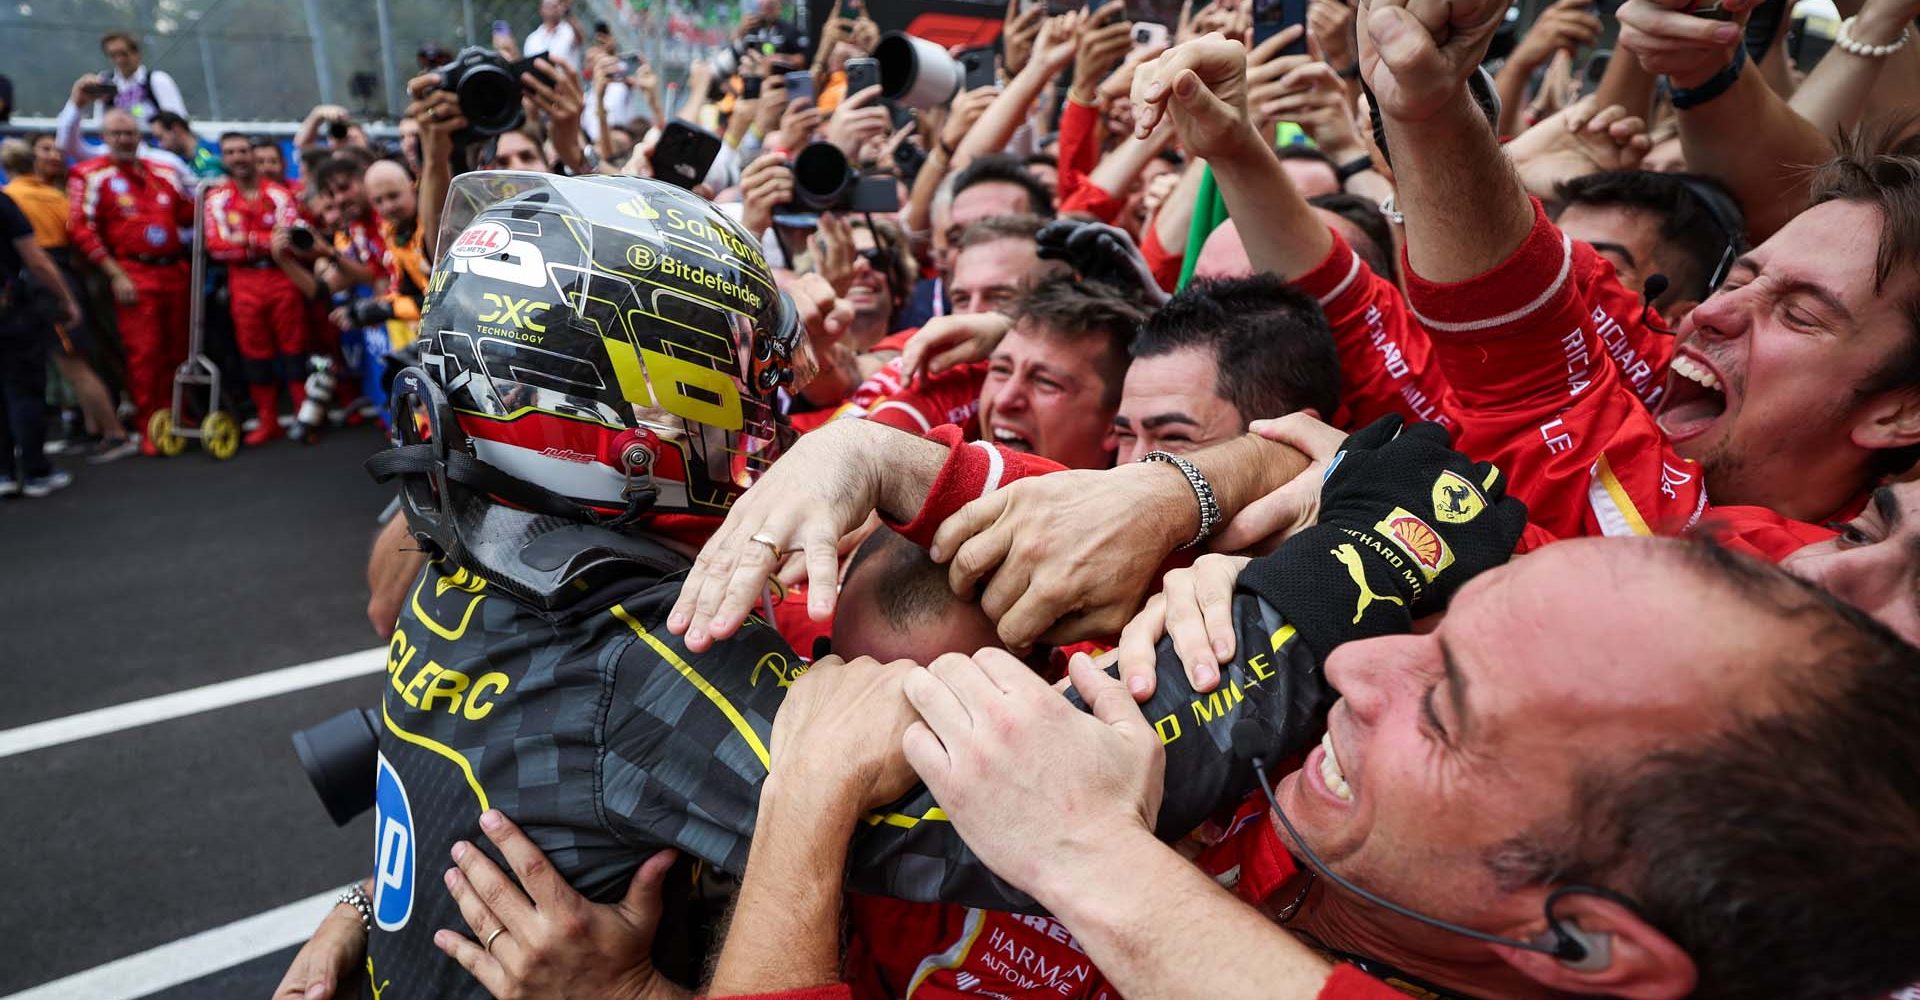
448 143
77 147
140 90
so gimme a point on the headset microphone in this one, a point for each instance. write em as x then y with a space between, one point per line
1655 286
1576 949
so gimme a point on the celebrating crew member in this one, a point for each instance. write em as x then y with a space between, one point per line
269 313
128 214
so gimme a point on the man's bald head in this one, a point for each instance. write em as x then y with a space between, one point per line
122 134
390 189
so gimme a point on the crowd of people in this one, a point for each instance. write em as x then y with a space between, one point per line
1364 507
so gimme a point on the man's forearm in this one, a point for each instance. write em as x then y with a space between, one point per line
66 132
43 269
1465 208
1117 171
1277 226
1750 139
1511 84
785 932
1155 925
907 465
1175 217
1247 468
997 124
1240 471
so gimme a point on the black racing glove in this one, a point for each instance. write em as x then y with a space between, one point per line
1103 253
1404 521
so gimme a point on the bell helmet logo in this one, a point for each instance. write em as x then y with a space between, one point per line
482 239
393 854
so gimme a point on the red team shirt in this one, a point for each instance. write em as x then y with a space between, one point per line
127 212
240 229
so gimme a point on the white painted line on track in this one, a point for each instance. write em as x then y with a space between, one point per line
190 958
146 711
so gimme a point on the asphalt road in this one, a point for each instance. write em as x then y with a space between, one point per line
149 577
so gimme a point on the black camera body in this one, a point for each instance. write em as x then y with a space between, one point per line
488 89
823 181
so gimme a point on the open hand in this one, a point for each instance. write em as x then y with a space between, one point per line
1007 757
541 937
1194 608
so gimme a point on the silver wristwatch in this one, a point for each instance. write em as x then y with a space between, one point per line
356 897
1202 491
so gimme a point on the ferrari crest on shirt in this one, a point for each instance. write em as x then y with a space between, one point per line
1455 500
1418 540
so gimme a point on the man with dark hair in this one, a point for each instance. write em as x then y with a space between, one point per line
883 275
1312 173
269 313
895 603
1000 257
1045 168
1053 384
1360 222
1683 226
269 160
1220 355
176 136
312 158
997 185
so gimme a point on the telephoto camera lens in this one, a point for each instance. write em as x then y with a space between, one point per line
821 176
340 756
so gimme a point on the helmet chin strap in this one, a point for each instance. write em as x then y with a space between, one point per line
474 474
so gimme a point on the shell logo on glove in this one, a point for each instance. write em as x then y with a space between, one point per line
1418 540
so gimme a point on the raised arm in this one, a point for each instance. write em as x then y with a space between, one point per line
1742 132
1836 93
1465 209
438 112
1052 51
1204 86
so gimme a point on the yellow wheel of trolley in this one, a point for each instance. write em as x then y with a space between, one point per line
160 432
220 435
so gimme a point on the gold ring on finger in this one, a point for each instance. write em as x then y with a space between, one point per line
497 931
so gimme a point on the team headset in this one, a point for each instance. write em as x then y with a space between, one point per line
1578 950
1726 216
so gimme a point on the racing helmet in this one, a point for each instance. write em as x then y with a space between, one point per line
592 349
